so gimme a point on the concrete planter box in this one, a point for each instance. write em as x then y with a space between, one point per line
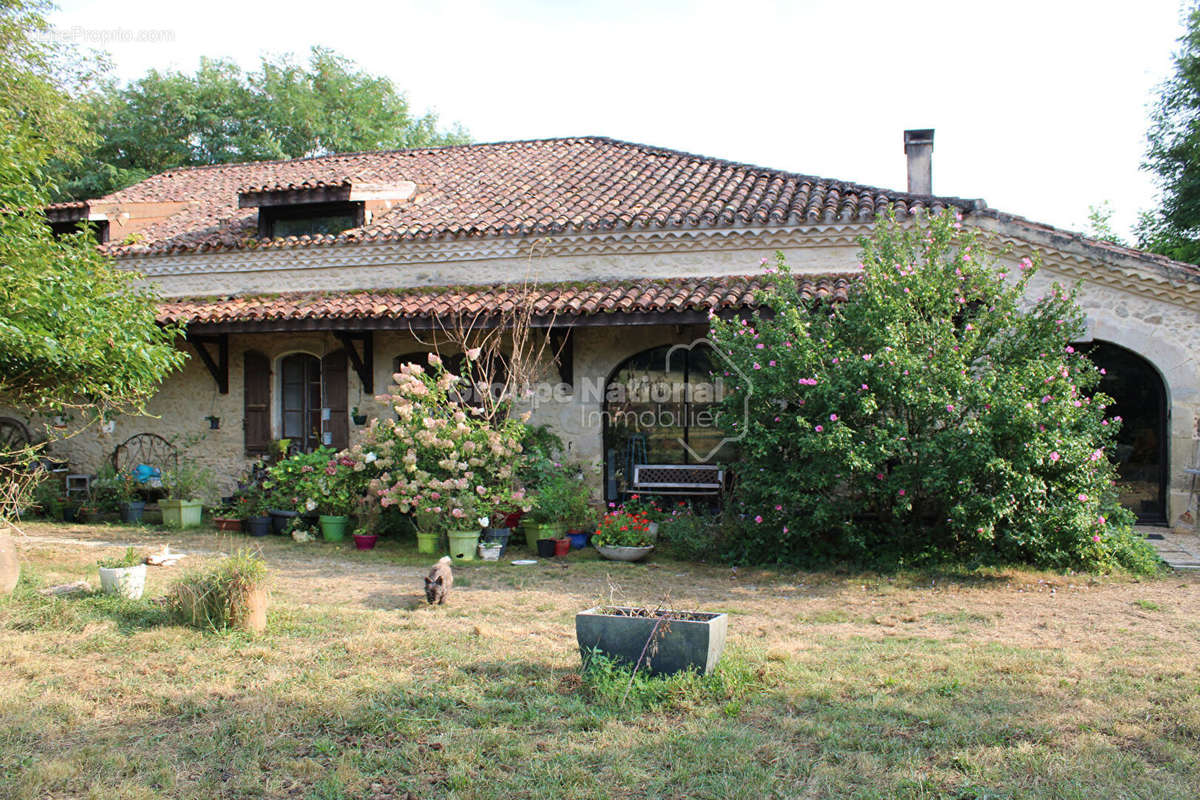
685 639
181 513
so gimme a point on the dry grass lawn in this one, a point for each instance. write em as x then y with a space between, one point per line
1000 685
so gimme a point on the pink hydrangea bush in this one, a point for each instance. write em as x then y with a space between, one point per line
936 414
437 458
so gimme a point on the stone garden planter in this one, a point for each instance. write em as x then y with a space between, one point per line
684 639
126 581
614 553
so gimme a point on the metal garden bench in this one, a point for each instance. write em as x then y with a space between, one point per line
683 479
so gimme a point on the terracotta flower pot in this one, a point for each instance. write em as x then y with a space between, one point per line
10 567
562 546
228 524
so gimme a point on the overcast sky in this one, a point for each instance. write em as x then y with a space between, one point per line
1040 107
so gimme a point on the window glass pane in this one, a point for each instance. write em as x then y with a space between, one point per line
313 226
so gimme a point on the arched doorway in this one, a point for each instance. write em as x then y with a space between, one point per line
659 408
1140 399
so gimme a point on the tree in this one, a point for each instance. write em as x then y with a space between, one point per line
76 332
1100 224
1173 155
222 114
930 416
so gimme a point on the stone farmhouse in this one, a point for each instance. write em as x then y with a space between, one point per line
304 283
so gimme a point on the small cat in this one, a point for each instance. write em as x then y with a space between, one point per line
439 581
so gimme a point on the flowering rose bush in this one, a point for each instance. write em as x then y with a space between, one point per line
935 414
436 458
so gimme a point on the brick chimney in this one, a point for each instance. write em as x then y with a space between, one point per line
918 146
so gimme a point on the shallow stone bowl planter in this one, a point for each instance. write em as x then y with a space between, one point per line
615 553
682 639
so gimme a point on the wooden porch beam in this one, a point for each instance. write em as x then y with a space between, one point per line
364 364
218 366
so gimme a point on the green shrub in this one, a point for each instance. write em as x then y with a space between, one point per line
934 415
214 597
689 534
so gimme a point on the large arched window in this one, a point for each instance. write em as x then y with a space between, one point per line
1140 399
659 408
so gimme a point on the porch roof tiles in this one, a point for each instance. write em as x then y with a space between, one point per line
562 300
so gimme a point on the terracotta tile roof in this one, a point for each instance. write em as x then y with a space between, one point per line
562 300
509 189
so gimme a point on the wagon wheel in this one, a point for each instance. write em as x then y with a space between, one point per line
13 435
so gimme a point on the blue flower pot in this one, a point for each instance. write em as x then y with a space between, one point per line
579 540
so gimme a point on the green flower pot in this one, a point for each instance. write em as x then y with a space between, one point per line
463 544
333 529
427 542
538 530
181 513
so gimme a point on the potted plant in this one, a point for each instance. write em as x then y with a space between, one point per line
228 517
623 536
230 593
186 484
650 508
290 481
465 525
68 509
124 575
252 505
430 529
577 513
546 514
661 641
117 491
333 494
369 515
437 459
359 419
490 551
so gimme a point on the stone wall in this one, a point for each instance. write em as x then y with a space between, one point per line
1156 319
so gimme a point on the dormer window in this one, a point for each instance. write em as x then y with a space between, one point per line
64 218
319 208
308 219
